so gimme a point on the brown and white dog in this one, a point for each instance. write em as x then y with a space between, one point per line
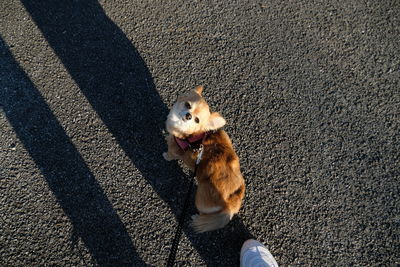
221 185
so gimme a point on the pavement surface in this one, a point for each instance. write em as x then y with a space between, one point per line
311 93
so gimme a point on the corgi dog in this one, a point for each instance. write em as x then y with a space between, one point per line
220 184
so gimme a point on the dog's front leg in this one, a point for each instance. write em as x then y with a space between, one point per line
174 151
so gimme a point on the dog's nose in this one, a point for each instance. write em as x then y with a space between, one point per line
188 116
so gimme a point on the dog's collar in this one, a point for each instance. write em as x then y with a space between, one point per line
192 142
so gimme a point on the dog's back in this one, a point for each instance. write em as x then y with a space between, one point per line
220 183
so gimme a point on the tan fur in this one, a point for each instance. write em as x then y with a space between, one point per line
220 183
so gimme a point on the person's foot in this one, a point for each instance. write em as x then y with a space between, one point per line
253 253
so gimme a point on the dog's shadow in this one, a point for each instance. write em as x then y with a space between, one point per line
117 83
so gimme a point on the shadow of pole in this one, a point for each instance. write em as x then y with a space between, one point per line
116 81
74 186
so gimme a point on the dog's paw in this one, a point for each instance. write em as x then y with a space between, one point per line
166 156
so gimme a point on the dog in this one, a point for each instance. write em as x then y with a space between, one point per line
220 184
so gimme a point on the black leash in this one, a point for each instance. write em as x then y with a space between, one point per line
178 233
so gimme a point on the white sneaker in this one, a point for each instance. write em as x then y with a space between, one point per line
255 254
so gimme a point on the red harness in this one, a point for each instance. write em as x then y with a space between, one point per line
190 142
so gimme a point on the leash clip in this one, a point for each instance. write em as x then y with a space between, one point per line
200 155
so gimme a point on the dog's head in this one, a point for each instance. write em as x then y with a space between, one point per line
191 115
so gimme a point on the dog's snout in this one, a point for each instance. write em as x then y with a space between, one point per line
188 116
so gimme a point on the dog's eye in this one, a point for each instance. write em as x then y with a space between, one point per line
187 105
196 120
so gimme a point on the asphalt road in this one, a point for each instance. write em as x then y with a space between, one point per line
311 93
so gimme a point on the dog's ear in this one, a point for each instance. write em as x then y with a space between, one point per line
216 121
199 89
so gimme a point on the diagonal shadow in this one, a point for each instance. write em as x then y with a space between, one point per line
74 186
117 83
